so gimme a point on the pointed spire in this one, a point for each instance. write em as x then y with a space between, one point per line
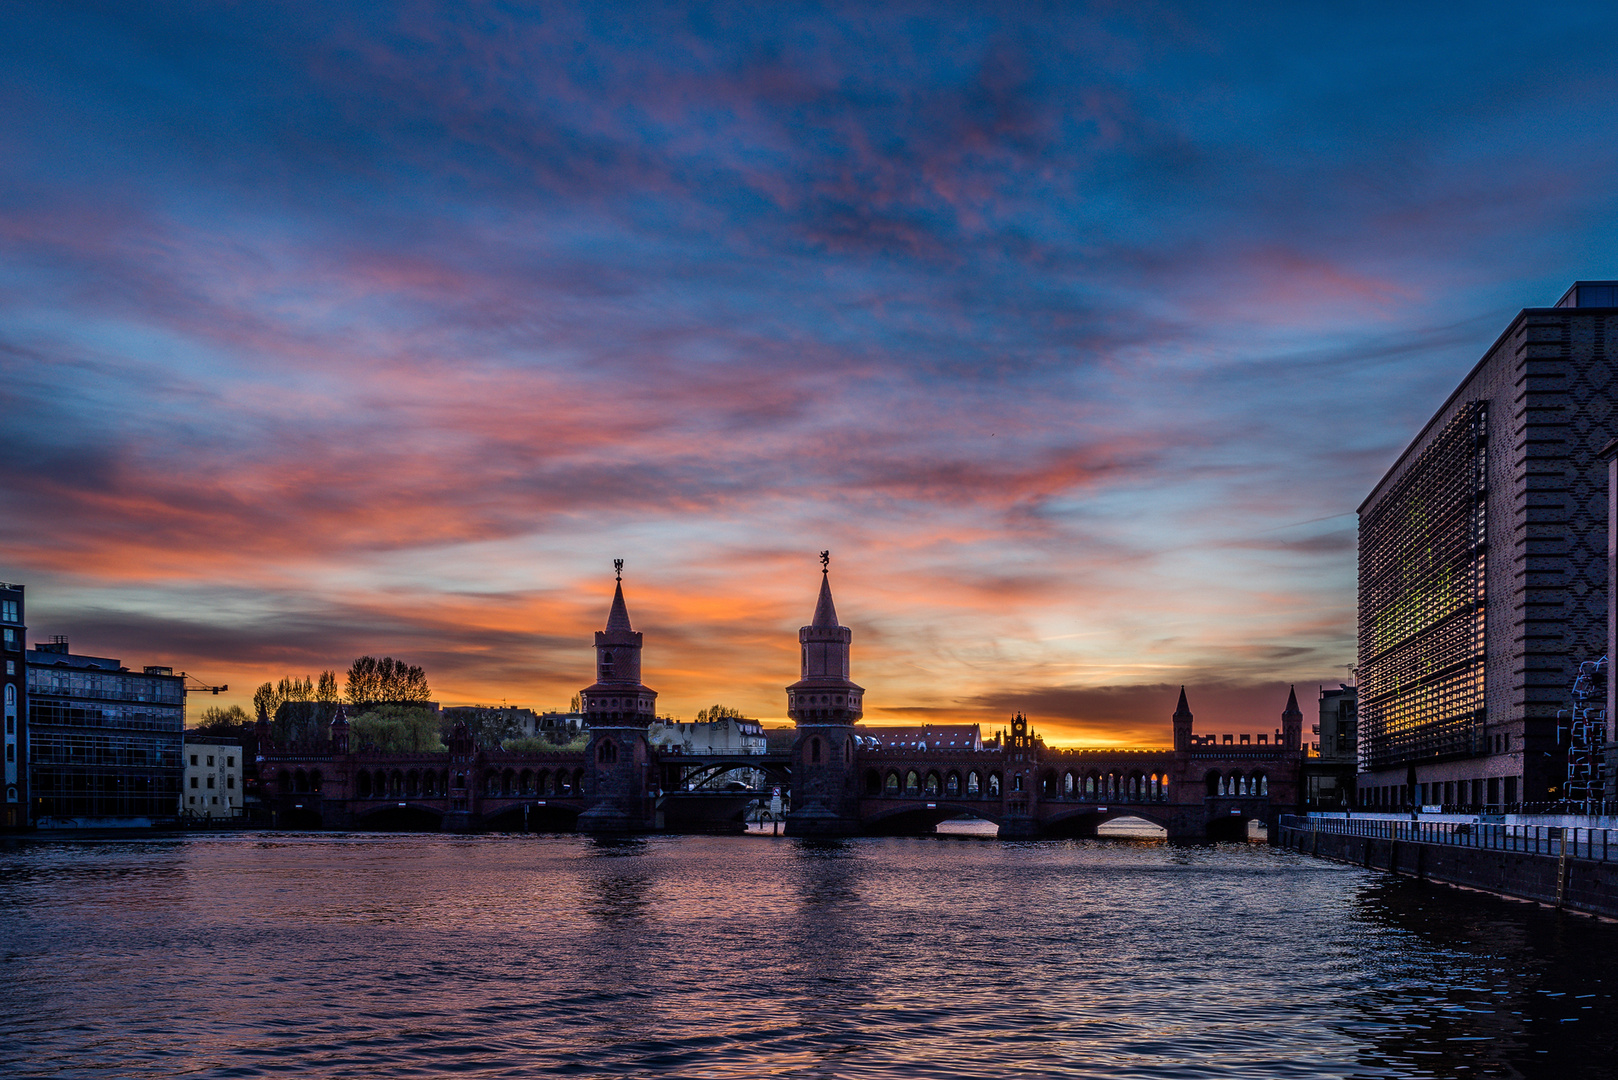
1184 708
618 617
1292 702
825 610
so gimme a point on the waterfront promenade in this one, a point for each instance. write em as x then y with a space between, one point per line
1559 860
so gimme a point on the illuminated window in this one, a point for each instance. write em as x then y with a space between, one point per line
1423 562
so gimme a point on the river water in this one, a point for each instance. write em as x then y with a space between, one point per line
424 955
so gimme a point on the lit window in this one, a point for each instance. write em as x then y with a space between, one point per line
8 610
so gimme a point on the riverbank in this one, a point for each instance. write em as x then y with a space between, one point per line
1564 868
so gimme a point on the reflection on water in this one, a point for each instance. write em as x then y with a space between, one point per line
750 956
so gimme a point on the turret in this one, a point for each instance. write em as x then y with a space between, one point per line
618 707
824 704
339 731
824 692
617 695
1182 724
1292 722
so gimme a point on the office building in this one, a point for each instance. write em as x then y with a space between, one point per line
104 742
1483 569
14 681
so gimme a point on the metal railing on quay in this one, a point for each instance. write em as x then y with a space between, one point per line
1578 842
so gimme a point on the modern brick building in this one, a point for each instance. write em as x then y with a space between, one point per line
1483 569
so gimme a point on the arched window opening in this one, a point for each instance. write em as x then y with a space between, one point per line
892 785
994 783
973 785
952 784
607 751
1016 782
848 751
934 785
912 782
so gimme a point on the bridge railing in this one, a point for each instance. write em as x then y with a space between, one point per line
1577 842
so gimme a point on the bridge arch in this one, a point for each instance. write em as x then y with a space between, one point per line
919 817
412 817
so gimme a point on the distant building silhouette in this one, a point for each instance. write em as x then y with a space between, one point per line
1483 569
14 687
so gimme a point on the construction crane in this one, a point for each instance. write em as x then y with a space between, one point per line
200 687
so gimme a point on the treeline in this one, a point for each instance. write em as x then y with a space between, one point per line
386 701
371 681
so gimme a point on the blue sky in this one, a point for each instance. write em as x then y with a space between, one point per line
1076 334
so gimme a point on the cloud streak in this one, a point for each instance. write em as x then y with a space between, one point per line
382 328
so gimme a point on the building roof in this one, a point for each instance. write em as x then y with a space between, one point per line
932 736
618 617
825 610
1560 308
73 660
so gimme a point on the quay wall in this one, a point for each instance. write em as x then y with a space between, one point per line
1561 880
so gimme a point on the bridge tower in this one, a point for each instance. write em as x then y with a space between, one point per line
618 708
1182 724
1292 722
1019 793
824 705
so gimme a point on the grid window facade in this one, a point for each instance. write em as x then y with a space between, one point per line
1422 574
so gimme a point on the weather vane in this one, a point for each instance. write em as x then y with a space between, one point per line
825 562
618 568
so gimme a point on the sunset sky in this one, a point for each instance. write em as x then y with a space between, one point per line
1075 335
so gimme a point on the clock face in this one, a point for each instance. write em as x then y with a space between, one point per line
1018 725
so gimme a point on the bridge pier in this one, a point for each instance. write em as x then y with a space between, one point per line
618 780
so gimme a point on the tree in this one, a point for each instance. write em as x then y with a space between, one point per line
219 722
718 712
371 681
400 729
327 690
264 701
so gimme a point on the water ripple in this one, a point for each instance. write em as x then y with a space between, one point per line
332 954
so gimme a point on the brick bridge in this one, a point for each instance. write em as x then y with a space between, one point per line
840 779
1203 789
